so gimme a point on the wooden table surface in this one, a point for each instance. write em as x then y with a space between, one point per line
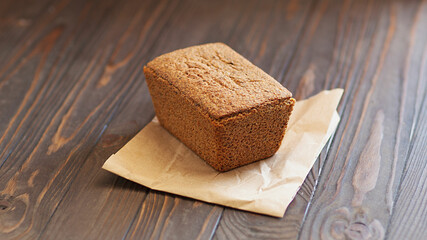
72 92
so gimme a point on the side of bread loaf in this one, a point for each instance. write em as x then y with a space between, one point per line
217 103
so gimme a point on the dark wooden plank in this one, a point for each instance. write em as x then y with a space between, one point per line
200 216
101 205
60 100
301 80
354 197
22 24
18 19
409 216
163 216
90 220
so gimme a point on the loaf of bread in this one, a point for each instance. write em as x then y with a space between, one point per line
221 106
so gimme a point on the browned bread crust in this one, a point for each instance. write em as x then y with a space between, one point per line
224 108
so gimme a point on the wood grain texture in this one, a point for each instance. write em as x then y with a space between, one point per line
408 218
309 75
166 217
63 111
72 93
100 205
409 215
353 200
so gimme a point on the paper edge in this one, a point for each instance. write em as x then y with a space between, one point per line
334 121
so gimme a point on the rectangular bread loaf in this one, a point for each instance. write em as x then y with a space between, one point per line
224 108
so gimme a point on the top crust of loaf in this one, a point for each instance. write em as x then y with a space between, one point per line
221 82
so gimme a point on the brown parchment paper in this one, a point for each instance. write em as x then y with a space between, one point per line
156 159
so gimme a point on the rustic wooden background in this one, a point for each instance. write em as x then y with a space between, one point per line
72 92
